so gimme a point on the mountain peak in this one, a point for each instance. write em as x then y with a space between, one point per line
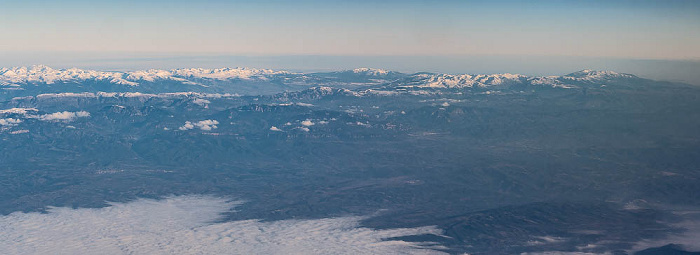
589 74
370 71
226 73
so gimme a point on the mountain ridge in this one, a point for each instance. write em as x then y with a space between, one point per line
40 79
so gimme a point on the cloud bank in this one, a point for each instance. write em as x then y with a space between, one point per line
187 225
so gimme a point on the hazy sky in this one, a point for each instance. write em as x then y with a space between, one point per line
622 29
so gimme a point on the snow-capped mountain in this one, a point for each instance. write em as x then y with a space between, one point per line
48 75
44 74
462 81
227 73
37 80
371 71
593 75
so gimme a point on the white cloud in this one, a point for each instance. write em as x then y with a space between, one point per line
304 104
203 125
17 132
273 128
63 116
362 124
207 124
188 125
201 102
188 225
28 113
307 123
540 240
9 122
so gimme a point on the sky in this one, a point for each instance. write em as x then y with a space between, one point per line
94 30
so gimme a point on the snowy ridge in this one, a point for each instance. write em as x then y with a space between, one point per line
15 78
149 75
552 81
427 80
47 75
227 73
127 95
467 80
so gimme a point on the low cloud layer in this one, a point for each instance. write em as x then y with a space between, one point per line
186 225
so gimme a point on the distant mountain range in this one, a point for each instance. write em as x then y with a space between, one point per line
39 79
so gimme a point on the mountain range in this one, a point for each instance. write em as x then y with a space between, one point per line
21 81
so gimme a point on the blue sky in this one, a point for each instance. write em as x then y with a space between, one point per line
626 29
